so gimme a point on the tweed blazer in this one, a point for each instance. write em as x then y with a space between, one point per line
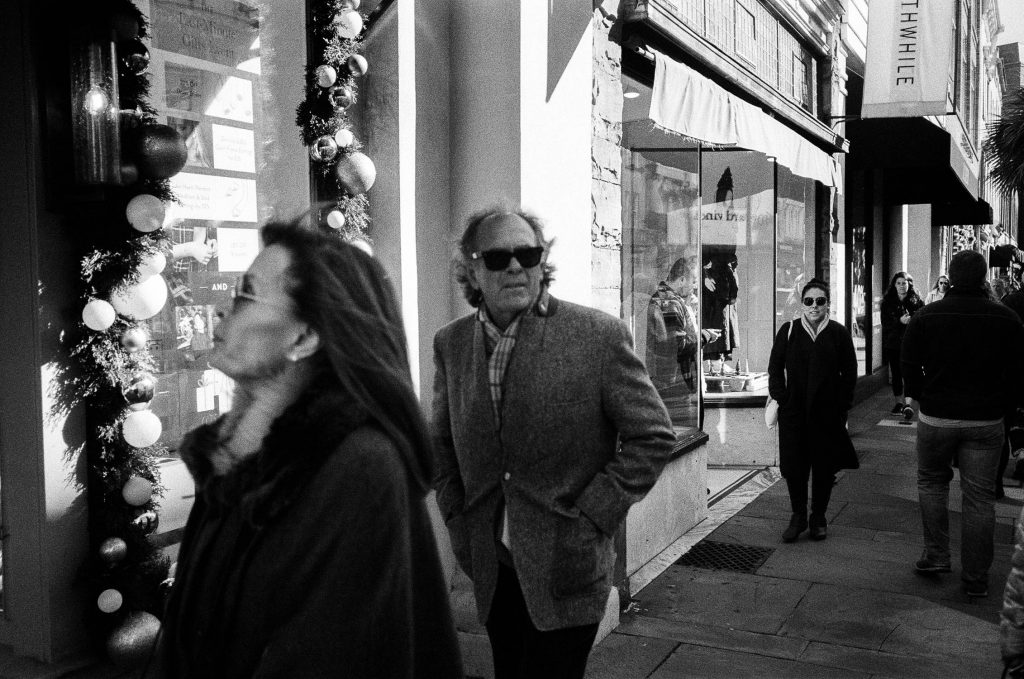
584 435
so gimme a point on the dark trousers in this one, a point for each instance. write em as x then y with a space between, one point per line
821 488
897 376
520 650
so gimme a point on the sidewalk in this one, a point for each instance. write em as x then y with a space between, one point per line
849 606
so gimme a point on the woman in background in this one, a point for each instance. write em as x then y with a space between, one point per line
938 291
898 305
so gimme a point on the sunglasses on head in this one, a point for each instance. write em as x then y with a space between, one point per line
815 301
498 260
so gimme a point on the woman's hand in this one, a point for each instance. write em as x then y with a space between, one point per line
905 318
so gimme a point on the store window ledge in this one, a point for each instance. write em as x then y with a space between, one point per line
735 400
688 441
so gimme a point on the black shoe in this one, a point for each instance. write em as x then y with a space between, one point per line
897 409
976 589
908 413
925 565
818 528
797 525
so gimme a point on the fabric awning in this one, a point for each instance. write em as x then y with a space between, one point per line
686 103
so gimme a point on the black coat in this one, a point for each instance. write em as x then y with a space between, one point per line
893 330
313 558
813 381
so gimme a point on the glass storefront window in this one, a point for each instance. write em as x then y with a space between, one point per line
861 326
794 249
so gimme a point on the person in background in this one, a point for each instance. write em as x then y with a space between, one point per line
309 551
939 290
899 304
672 336
962 405
812 372
547 428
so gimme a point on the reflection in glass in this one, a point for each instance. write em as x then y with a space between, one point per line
858 296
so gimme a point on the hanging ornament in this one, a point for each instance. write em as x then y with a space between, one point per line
133 339
109 600
147 521
348 25
336 219
362 244
324 149
326 76
357 65
113 550
356 173
137 490
160 151
350 4
140 390
142 300
98 315
344 138
141 429
145 212
129 174
129 645
152 264
342 97
134 56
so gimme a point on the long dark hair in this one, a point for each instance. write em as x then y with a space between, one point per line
891 293
346 296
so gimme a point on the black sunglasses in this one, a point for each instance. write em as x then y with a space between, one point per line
498 260
815 301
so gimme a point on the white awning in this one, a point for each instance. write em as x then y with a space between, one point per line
685 102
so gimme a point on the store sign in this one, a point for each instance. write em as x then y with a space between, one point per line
723 224
908 58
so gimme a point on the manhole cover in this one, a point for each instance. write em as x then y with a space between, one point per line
726 556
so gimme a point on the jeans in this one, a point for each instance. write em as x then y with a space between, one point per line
977 449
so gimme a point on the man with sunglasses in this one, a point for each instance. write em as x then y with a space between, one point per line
546 428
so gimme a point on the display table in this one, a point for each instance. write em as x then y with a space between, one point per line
719 384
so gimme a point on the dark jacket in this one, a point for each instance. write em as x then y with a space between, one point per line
313 558
813 381
962 357
1015 300
573 392
893 330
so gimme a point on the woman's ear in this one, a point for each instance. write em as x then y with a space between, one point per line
306 344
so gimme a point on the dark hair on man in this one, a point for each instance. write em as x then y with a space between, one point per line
967 269
680 269
467 246
816 283
346 296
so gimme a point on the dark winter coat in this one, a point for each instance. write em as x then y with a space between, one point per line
313 558
813 381
1015 300
893 330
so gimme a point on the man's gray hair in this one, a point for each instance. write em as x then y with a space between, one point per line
467 246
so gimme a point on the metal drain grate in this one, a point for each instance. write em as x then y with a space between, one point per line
726 556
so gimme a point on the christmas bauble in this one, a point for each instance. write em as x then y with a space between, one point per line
109 600
357 65
336 219
131 642
142 300
141 429
326 76
350 4
324 149
344 138
362 244
141 388
98 315
147 520
160 151
133 339
145 212
348 24
134 56
342 97
137 490
356 173
152 264
113 550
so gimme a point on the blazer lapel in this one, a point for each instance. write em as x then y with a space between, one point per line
483 410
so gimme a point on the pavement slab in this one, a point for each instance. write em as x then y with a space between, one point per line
701 662
624 656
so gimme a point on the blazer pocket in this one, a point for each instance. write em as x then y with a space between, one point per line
578 568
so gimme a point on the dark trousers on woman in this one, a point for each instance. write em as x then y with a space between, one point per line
520 650
821 487
897 375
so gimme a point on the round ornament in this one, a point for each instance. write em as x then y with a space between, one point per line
160 151
141 429
362 244
357 65
326 76
134 56
133 339
351 4
152 264
98 315
137 491
142 300
141 389
336 219
324 149
342 97
356 172
148 521
129 645
145 212
348 24
344 138
113 550
109 600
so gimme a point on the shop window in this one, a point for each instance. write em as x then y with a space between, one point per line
745 33
859 306
795 244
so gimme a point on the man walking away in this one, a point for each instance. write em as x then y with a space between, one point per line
963 397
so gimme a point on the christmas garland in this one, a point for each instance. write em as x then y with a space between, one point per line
343 172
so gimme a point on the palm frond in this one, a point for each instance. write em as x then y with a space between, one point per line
1004 146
